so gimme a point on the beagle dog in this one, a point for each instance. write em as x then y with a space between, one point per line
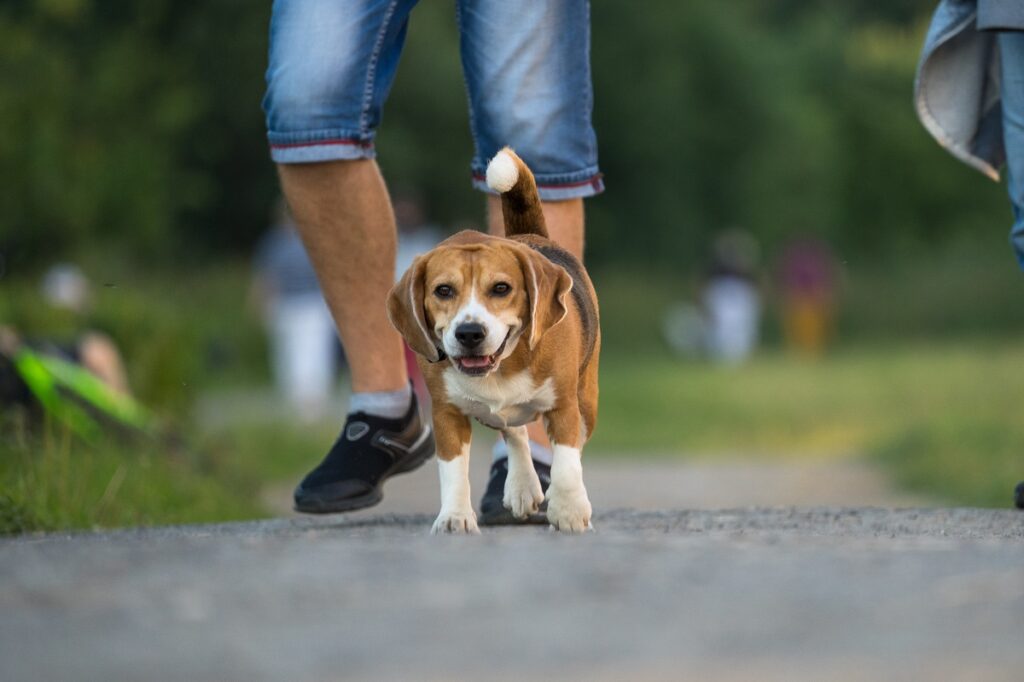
505 330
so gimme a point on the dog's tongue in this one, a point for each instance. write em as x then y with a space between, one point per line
481 361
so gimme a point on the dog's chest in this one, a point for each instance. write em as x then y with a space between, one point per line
499 402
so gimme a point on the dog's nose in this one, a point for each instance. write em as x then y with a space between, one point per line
470 334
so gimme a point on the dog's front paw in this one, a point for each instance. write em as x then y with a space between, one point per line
569 509
456 522
523 494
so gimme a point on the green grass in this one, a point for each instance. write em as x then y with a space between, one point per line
273 451
965 460
51 481
944 419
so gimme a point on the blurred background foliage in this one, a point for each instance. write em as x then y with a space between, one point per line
784 118
132 143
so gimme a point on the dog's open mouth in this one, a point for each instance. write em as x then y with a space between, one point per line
478 365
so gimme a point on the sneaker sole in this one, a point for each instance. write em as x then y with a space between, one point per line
347 504
414 460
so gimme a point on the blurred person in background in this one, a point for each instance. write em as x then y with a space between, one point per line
80 386
969 94
301 332
969 91
65 287
730 298
77 379
415 236
807 282
331 66
93 351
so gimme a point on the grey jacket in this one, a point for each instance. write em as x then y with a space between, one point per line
956 91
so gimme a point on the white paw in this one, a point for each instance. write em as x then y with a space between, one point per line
456 522
569 509
523 494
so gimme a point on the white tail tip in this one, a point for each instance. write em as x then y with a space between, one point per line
502 172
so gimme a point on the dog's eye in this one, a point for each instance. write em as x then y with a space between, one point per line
444 291
501 288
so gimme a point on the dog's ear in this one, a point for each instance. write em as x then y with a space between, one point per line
407 313
547 286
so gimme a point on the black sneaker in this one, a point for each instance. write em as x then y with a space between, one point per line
369 450
492 509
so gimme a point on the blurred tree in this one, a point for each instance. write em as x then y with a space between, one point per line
130 123
138 125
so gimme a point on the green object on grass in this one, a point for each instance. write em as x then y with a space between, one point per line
76 397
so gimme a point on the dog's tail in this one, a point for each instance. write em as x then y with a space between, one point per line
520 204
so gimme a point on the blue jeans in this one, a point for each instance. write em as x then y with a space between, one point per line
1011 55
526 67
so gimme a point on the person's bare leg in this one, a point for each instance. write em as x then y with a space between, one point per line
564 220
345 219
565 227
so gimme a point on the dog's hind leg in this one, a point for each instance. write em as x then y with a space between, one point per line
588 401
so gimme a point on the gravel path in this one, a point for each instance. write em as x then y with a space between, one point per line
766 594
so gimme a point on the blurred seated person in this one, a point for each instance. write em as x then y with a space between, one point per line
77 380
80 386
65 287
91 350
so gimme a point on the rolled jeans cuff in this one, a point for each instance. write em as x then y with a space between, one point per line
326 146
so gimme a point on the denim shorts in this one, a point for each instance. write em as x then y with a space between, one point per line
526 67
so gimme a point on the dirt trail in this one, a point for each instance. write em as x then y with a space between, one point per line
665 482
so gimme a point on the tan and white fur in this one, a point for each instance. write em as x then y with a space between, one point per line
506 329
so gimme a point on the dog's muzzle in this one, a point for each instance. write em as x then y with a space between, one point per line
479 365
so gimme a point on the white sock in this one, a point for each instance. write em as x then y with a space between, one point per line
538 452
386 404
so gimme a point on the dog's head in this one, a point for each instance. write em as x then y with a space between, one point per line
473 298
